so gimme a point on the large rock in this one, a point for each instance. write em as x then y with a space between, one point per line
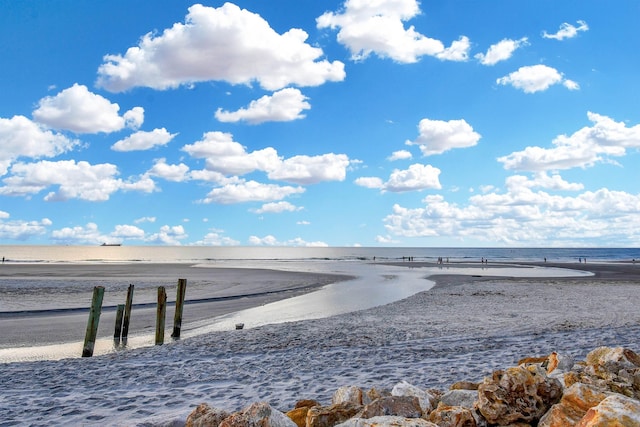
351 394
299 414
206 416
452 416
519 394
259 414
387 422
427 400
401 406
573 406
464 398
614 411
329 416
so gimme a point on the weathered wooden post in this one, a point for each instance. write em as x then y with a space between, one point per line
127 314
118 329
92 324
177 319
160 315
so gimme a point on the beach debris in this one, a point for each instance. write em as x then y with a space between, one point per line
239 326
548 391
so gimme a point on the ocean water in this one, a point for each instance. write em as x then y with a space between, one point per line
189 254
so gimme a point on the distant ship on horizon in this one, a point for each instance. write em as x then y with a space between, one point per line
111 244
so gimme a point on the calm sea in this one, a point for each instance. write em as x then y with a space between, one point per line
188 254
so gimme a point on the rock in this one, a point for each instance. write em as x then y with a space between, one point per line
559 362
614 411
351 394
575 403
306 403
299 414
387 422
401 406
259 414
427 400
614 369
206 416
374 394
520 394
613 359
464 385
329 416
465 398
452 416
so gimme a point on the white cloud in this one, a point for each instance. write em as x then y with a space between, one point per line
142 140
168 235
536 78
566 31
21 230
89 234
523 217
367 27
80 180
175 173
418 177
501 51
80 111
124 231
215 238
277 207
250 191
20 137
283 106
311 169
145 219
225 43
437 136
400 155
583 148
270 240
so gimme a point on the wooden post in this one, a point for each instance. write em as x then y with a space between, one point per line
177 319
92 324
118 329
160 315
127 314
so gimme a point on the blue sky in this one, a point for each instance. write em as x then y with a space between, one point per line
334 123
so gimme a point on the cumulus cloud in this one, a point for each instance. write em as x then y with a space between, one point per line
283 106
20 137
80 180
81 111
378 27
400 155
566 31
536 78
88 234
584 148
215 238
145 219
142 140
225 43
270 240
416 178
277 207
21 230
175 173
501 51
168 235
250 191
437 136
225 156
125 231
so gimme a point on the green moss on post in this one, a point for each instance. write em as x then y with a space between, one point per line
92 324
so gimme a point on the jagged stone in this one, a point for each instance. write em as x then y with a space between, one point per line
452 416
401 406
519 394
299 414
388 421
575 403
427 400
259 414
464 385
614 411
306 403
329 416
206 416
465 398
374 394
351 394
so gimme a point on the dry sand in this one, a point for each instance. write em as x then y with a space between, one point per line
462 329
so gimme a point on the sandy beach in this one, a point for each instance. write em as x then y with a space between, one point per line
461 329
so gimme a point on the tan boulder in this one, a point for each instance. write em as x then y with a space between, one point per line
351 394
388 421
464 385
329 416
452 416
206 416
614 411
519 394
401 406
428 400
259 414
299 414
575 403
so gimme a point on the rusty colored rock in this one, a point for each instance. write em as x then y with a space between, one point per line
306 403
452 416
259 414
575 403
464 385
206 416
329 416
388 421
614 411
520 394
401 406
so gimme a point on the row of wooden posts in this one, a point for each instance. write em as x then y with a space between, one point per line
123 315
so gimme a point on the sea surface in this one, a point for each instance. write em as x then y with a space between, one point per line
197 254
